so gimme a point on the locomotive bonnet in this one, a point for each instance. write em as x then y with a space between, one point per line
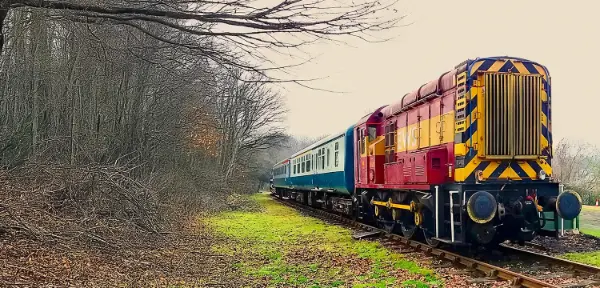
464 159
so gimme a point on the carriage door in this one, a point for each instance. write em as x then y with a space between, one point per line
357 154
361 157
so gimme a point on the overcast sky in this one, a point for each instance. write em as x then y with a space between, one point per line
563 35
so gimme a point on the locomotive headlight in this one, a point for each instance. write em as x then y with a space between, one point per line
542 175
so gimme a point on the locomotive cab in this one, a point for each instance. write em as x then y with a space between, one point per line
502 150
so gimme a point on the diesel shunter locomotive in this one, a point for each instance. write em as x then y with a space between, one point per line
464 159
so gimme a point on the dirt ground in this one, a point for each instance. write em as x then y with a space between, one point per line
276 247
177 260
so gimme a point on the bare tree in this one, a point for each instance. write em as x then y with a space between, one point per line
577 165
228 31
248 114
126 114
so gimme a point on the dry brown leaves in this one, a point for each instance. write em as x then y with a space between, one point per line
97 227
182 258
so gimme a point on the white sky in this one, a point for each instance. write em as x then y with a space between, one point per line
564 36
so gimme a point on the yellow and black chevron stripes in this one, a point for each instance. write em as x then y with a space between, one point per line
507 65
467 137
470 133
502 169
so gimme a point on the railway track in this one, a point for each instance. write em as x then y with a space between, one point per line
540 270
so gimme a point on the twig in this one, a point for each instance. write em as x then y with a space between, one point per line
32 271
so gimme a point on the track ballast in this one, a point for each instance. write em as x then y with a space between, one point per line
571 274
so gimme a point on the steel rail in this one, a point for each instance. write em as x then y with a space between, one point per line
564 262
516 279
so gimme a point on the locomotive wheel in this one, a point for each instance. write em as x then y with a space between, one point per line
384 217
388 223
367 211
428 227
484 235
407 219
356 206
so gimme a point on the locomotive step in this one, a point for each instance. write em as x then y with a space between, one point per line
454 205
449 241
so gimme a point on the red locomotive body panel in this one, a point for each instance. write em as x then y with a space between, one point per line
421 152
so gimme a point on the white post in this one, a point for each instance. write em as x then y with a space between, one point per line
437 210
561 188
452 214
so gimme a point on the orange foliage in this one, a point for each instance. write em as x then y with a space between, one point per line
203 134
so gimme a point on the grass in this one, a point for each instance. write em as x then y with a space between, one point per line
281 247
591 208
589 225
590 258
589 220
591 231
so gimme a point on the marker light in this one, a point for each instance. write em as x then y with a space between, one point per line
542 175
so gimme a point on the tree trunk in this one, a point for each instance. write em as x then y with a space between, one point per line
3 14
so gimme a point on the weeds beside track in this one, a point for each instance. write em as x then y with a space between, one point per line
582 274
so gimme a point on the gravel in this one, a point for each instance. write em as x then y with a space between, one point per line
571 242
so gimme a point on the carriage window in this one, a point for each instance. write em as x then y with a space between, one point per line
361 141
328 157
390 137
387 135
393 134
318 159
336 159
372 133
390 132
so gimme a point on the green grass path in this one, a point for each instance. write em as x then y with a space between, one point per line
278 247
